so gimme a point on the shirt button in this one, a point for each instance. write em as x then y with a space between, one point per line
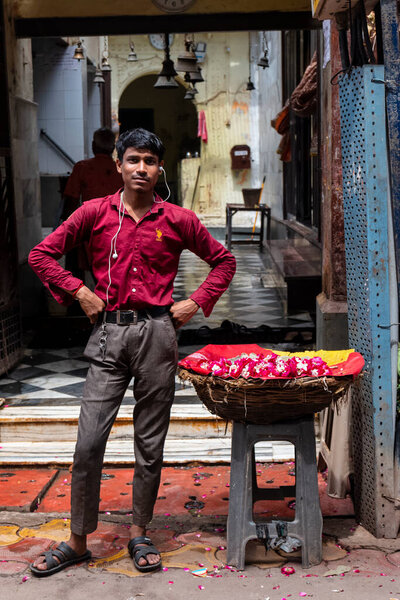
135 269
133 289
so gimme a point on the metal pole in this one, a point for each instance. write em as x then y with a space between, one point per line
391 51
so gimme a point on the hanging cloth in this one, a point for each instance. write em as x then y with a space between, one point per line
202 126
281 124
303 100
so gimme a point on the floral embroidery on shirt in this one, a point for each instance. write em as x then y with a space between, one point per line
159 235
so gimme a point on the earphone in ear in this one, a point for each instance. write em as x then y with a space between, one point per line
162 170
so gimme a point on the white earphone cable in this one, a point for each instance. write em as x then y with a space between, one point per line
113 246
166 185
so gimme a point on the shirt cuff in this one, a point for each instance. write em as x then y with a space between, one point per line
62 296
205 302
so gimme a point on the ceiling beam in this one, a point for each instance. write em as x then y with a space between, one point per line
182 23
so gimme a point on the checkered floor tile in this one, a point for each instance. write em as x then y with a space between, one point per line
61 376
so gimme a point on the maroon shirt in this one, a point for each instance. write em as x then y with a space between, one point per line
93 177
148 255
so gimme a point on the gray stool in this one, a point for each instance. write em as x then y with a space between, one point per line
307 525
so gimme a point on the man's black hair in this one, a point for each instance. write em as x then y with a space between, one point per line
142 140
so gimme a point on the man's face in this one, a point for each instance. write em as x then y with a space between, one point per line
140 170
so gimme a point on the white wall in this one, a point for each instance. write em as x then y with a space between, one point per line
93 120
266 103
60 93
234 115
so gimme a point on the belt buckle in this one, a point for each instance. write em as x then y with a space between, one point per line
118 321
134 320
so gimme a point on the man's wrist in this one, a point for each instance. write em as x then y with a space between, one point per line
194 302
76 290
80 290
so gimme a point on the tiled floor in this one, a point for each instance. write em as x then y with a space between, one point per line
50 375
183 489
54 375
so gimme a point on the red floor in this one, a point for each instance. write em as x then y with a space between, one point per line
203 489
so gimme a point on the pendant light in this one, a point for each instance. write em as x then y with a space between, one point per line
105 65
190 94
250 85
196 76
78 54
264 60
132 57
166 77
187 61
98 77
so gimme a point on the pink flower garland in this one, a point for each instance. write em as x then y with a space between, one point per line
269 366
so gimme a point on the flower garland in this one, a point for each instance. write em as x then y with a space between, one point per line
269 366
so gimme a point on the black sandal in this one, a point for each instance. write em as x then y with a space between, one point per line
137 551
66 557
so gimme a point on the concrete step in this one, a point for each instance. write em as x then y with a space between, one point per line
46 423
119 452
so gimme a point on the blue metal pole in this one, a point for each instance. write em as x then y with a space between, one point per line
391 49
370 290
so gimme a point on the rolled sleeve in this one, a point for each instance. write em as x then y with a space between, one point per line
43 259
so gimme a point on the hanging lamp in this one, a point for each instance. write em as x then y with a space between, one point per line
98 77
187 61
105 65
264 60
166 77
196 76
78 54
190 94
132 57
250 85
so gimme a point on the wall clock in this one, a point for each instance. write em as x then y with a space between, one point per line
157 40
173 6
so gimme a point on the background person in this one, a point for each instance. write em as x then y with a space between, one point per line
94 177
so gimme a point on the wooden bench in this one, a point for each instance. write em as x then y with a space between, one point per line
299 264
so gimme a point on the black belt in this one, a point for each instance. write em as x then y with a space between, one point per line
131 317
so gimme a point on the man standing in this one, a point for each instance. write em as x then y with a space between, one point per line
135 240
94 177
91 178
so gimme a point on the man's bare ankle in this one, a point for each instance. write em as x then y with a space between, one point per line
137 530
78 542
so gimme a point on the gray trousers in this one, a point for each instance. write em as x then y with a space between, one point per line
146 351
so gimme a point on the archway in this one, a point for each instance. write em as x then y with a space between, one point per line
166 113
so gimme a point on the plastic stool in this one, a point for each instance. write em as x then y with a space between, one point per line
307 525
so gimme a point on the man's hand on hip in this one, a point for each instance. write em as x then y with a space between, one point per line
183 311
91 304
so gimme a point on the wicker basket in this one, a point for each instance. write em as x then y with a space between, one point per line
266 401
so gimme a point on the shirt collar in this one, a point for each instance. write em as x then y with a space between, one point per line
156 207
